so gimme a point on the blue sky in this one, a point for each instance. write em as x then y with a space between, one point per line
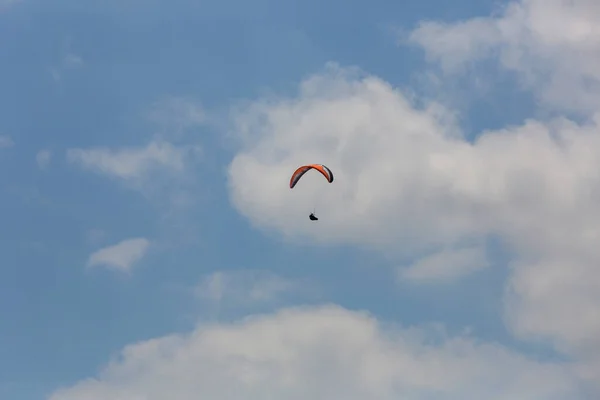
120 75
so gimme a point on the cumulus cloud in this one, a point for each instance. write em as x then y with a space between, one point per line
322 353
554 48
407 182
377 146
122 256
552 45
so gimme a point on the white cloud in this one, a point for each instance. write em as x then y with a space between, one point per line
244 287
379 152
322 353
122 256
43 158
6 141
556 299
553 46
446 265
131 164
407 182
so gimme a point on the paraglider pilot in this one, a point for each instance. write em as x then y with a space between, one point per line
312 217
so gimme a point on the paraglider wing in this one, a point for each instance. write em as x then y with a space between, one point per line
326 172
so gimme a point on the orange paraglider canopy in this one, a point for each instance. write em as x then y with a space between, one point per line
326 172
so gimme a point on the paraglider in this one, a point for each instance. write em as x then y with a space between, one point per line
299 173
